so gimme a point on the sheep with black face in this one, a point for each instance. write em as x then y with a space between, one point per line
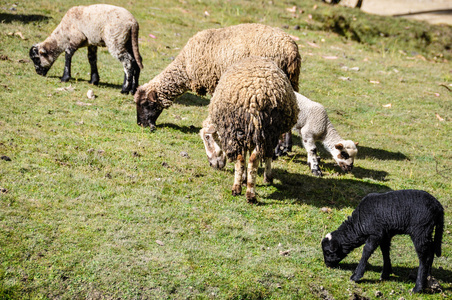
93 26
381 216
206 56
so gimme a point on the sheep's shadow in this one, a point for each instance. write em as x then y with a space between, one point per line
321 191
184 129
400 274
189 99
373 153
25 19
101 83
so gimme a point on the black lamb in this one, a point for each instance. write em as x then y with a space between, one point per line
381 216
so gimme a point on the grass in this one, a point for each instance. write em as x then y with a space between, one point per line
94 207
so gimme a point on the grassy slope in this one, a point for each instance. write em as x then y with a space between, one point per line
97 207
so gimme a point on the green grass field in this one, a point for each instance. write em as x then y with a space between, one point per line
93 206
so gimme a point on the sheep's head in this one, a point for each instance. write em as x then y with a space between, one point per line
42 58
344 154
215 155
148 107
332 251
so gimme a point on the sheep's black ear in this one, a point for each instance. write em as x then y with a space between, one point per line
334 245
339 146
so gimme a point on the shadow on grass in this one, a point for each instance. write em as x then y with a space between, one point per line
189 99
322 191
400 274
101 84
185 129
367 152
25 19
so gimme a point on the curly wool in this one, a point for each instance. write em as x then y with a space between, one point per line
253 104
209 53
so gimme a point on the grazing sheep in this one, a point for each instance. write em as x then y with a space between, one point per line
252 106
93 26
206 56
314 125
381 216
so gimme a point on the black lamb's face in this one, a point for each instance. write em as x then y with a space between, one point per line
332 251
148 108
36 56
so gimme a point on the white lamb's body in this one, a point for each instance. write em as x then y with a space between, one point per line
314 125
99 25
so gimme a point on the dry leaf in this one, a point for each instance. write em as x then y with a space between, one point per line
326 209
374 81
437 94
83 103
330 57
68 88
344 78
292 9
90 94
159 242
439 117
313 45
19 34
284 253
295 38
206 13
389 105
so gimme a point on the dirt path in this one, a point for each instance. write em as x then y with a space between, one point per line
432 11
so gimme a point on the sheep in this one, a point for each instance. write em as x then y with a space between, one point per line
93 26
252 106
206 56
314 125
377 219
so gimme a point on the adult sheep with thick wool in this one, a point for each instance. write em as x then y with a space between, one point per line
314 125
252 106
206 56
99 25
377 219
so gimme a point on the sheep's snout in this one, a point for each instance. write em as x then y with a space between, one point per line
346 167
217 162
147 114
35 57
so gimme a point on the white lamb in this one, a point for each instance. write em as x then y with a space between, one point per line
314 125
93 26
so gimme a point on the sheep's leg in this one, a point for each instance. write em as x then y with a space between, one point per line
67 64
253 164
425 251
313 162
239 171
284 145
127 61
268 177
92 58
387 267
370 246
135 77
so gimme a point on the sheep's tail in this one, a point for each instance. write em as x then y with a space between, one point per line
135 49
293 70
439 228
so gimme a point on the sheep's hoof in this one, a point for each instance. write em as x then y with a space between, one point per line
317 173
268 180
65 78
355 277
251 198
236 190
